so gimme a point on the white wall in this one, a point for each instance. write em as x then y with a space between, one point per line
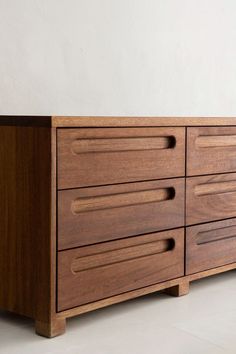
118 57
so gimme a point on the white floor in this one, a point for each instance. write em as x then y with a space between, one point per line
203 322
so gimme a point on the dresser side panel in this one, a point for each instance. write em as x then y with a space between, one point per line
26 226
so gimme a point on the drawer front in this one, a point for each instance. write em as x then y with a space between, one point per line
210 198
210 245
211 150
96 272
97 214
88 157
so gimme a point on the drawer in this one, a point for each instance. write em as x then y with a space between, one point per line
96 272
100 156
210 198
211 150
210 245
97 214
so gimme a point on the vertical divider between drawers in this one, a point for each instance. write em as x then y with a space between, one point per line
56 221
185 179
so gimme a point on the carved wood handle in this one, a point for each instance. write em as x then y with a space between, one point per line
215 188
214 141
82 146
87 204
215 235
121 255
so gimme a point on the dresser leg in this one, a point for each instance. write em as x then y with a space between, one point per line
50 329
179 290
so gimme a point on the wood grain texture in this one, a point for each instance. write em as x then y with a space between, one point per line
210 198
120 252
83 146
210 245
215 188
211 150
119 200
97 214
179 290
52 328
110 152
144 291
91 273
27 260
78 310
73 121
108 121
88 157
215 141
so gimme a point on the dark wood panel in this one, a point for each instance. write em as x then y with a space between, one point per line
211 150
88 157
210 245
27 224
210 198
26 121
97 214
95 272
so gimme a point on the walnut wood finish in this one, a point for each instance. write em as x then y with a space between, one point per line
92 215
210 198
179 290
88 157
182 281
145 150
210 245
211 150
52 328
26 121
108 121
92 273
73 121
27 227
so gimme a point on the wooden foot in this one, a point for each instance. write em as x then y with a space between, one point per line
50 329
178 290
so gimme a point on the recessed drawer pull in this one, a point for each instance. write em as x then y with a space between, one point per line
87 204
215 188
211 150
105 156
210 198
214 235
82 146
105 213
210 245
95 272
121 255
214 141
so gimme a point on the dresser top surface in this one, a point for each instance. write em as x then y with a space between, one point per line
122 121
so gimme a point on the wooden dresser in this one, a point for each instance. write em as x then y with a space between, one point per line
98 210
